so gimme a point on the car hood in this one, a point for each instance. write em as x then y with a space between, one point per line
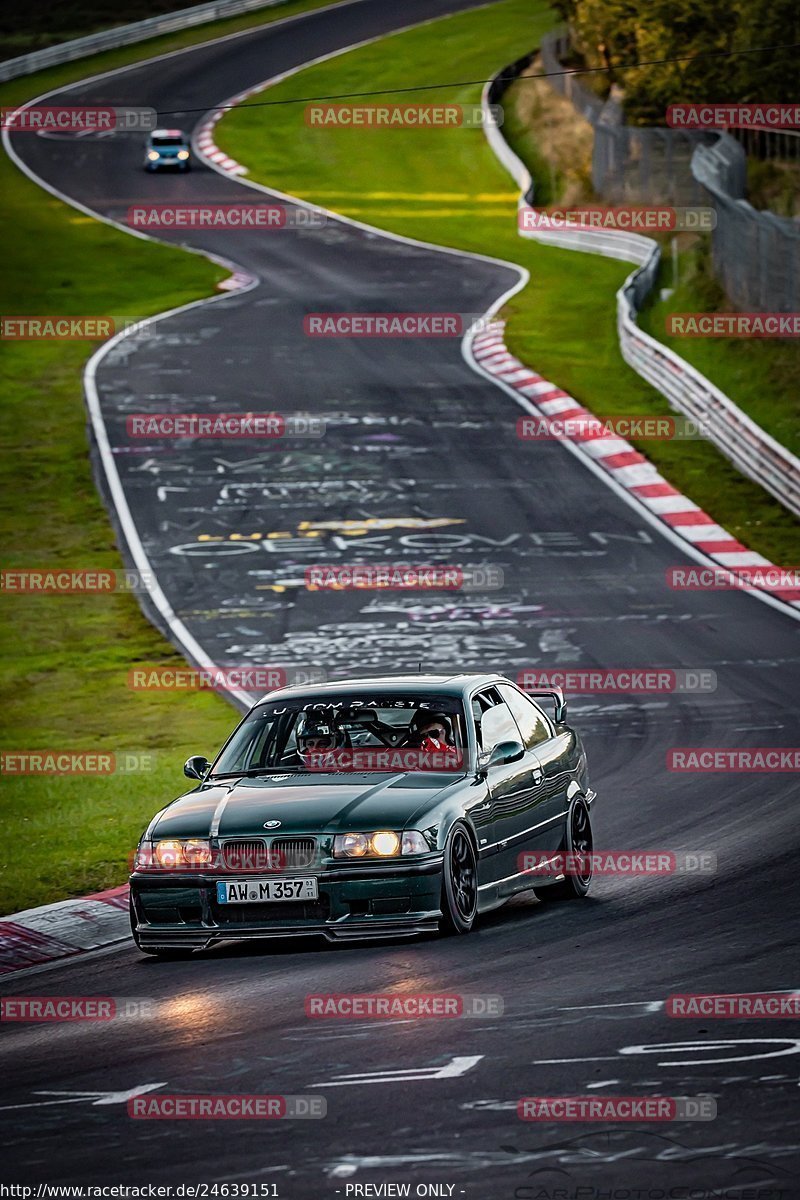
304 803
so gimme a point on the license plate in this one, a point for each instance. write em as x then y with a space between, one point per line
262 891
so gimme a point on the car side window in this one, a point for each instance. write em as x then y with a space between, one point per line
498 725
532 723
481 705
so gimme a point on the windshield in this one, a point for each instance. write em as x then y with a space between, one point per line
348 732
168 140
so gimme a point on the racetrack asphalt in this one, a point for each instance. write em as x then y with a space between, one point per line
415 435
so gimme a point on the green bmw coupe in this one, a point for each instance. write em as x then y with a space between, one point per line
368 808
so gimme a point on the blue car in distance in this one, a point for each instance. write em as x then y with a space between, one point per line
167 148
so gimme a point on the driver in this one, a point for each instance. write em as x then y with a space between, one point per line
431 731
318 740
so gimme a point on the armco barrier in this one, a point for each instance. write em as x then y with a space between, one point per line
126 35
756 254
740 439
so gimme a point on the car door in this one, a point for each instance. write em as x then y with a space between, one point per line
515 789
481 809
553 752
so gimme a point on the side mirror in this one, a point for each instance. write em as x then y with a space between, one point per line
503 752
196 767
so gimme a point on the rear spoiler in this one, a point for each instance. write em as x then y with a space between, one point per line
557 696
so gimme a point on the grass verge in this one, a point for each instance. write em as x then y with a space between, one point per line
64 660
445 186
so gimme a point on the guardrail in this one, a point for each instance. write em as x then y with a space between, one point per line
753 451
126 35
755 254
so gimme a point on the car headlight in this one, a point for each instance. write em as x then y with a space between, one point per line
386 843
153 155
172 854
383 844
197 852
414 843
350 845
183 154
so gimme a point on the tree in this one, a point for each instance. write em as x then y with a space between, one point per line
615 33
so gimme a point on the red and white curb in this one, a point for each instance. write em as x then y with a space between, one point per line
62 930
206 147
626 466
203 140
238 279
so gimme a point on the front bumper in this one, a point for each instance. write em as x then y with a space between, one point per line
157 164
179 910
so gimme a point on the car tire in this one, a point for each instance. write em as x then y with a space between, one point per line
579 841
459 903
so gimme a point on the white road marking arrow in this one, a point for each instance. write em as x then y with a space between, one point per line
456 1066
95 1097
